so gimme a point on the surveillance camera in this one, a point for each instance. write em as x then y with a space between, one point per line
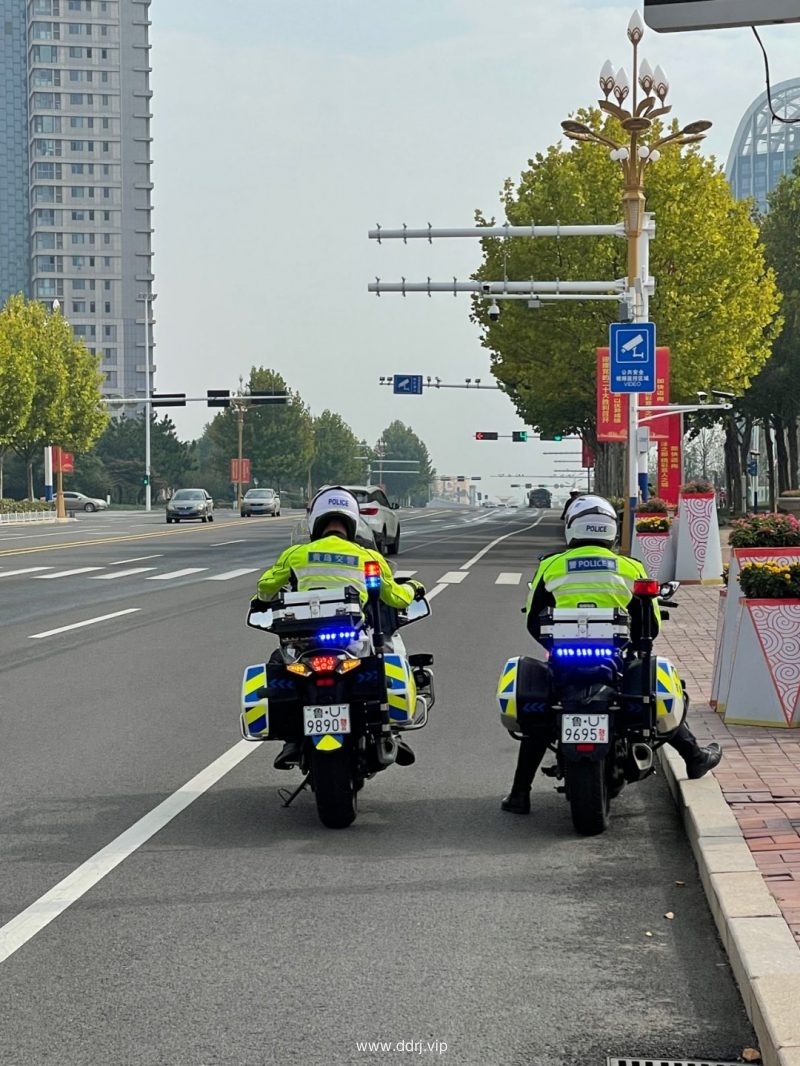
486 286
702 396
494 311
723 395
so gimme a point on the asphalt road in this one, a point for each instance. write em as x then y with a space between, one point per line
226 929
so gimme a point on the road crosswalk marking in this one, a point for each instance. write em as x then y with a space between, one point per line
25 570
453 577
122 573
67 573
177 573
404 573
231 574
508 579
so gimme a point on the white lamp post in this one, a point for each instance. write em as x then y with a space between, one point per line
147 298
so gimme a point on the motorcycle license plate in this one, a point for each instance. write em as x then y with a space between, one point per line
584 729
335 718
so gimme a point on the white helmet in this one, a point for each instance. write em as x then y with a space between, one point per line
591 518
334 502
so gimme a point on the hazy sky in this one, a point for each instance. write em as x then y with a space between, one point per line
285 130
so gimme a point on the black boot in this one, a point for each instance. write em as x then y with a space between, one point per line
517 802
288 756
531 752
698 760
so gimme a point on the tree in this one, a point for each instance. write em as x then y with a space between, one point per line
16 376
400 442
335 450
121 449
715 301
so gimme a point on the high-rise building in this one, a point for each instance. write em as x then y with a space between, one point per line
763 149
75 188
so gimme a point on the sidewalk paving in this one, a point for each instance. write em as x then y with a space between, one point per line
759 778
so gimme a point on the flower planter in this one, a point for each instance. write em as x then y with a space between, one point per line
698 555
724 655
718 635
650 550
765 679
789 505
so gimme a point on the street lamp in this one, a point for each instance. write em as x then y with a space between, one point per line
147 298
61 510
634 156
240 402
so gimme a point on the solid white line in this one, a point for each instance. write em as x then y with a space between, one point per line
453 577
508 579
26 570
122 573
138 559
25 925
231 574
505 536
79 625
177 573
67 573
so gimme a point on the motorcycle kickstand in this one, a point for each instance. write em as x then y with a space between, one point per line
292 796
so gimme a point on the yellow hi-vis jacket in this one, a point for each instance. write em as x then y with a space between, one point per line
331 562
586 576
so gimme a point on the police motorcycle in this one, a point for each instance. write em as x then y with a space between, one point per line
334 688
605 702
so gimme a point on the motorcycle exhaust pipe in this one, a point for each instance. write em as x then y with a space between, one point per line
386 749
643 757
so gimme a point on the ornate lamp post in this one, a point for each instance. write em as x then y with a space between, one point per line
634 156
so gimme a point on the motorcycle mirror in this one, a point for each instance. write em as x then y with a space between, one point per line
258 618
668 589
415 612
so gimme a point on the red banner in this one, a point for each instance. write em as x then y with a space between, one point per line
587 456
669 460
612 407
240 476
63 462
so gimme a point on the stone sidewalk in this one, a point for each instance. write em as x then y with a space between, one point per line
753 890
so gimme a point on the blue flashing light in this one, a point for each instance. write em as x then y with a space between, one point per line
372 575
338 636
585 651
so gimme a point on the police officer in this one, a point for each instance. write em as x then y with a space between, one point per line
589 571
333 559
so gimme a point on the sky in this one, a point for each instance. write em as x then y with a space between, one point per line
284 131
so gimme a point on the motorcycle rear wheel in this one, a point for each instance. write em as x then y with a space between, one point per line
589 801
334 788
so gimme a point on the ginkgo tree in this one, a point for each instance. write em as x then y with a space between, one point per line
715 303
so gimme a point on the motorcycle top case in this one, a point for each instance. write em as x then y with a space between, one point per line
524 693
664 685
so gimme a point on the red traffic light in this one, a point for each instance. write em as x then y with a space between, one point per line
485 435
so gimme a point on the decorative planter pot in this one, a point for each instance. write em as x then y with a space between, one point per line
765 679
650 549
789 504
698 555
723 658
723 597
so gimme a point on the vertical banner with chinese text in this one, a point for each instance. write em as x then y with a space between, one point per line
612 407
669 459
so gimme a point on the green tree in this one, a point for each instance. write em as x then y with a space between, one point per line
715 300
335 449
401 442
121 448
17 379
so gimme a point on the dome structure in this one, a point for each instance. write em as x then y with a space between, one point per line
764 149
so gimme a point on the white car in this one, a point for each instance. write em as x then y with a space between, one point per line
379 515
76 501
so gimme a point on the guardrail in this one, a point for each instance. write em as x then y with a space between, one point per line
20 517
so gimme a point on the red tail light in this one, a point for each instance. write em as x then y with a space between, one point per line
584 747
368 510
323 664
644 587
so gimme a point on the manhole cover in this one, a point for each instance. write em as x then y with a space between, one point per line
669 1062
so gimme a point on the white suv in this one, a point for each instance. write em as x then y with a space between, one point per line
379 515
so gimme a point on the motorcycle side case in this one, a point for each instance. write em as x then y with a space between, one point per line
663 683
401 689
255 707
524 693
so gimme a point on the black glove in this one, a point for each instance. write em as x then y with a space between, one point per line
257 604
418 587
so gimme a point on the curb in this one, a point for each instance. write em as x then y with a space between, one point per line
763 954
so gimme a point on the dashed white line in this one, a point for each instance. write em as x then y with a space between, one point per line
25 570
177 573
453 577
404 573
122 573
508 579
488 548
80 625
67 573
229 575
222 543
138 559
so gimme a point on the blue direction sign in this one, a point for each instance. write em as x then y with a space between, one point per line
408 384
633 357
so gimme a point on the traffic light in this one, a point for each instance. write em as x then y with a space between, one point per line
168 399
146 480
218 397
257 398
519 435
484 435
551 436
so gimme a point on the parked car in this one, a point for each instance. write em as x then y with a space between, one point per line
261 501
190 503
77 501
379 515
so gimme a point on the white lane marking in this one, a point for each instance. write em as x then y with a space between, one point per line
177 573
453 577
222 543
404 573
231 574
138 559
25 925
434 592
122 573
80 625
25 570
67 573
508 579
505 536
